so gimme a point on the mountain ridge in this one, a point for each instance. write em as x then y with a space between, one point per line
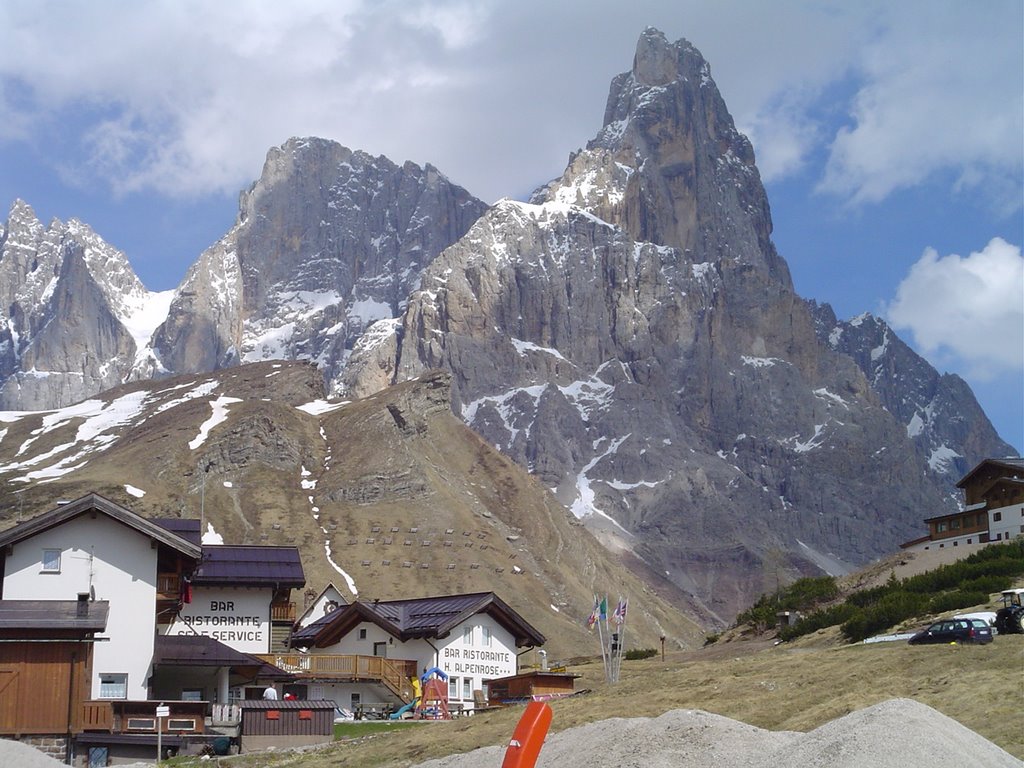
631 337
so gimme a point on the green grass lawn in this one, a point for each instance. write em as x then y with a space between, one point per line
359 728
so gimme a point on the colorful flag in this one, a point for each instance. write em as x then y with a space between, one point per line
604 609
620 611
592 619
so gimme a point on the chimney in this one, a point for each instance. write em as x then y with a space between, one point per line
83 605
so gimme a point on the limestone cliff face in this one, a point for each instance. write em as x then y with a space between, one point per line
328 241
68 298
203 328
669 166
633 339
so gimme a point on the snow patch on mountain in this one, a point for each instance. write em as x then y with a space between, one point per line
219 416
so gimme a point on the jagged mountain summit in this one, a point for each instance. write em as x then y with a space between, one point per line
327 242
75 312
630 336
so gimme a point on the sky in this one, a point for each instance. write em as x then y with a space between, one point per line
888 135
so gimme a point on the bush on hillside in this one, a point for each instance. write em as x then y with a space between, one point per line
827 617
947 588
890 610
639 653
802 595
954 601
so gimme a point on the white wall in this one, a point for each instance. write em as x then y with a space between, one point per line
475 661
321 608
115 560
236 616
459 659
1010 524
371 696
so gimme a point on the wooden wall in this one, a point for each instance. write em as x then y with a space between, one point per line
36 680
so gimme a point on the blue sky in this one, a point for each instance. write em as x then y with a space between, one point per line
889 135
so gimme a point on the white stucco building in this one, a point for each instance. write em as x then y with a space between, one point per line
471 639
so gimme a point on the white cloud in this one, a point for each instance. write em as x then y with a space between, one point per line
940 92
185 97
967 311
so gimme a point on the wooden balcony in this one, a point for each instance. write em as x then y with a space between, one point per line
121 716
282 612
97 716
168 586
394 674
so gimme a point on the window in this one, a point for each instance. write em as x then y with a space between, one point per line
141 724
362 634
486 640
181 724
356 701
191 694
114 685
467 635
467 689
997 516
941 527
453 687
51 561
954 524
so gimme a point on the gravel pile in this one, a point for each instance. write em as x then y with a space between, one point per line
894 734
18 755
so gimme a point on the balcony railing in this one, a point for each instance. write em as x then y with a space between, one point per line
394 674
282 612
168 584
97 716
124 716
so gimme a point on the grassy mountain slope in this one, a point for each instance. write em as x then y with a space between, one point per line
386 497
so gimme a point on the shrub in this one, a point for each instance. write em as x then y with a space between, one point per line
947 588
827 617
640 653
951 601
890 610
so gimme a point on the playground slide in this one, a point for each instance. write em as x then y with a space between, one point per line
397 715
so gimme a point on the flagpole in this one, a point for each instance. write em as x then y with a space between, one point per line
622 646
619 638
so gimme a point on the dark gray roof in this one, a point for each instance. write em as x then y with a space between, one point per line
93 502
250 566
287 704
430 617
1011 464
202 651
53 614
186 527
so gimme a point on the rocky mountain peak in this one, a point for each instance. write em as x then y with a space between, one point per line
669 166
659 62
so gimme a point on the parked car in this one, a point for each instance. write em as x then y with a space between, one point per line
954 631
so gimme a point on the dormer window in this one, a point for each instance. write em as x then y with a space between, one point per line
51 561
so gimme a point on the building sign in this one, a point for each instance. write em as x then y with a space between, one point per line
239 618
477 662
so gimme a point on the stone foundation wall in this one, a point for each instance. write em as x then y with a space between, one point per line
53 746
